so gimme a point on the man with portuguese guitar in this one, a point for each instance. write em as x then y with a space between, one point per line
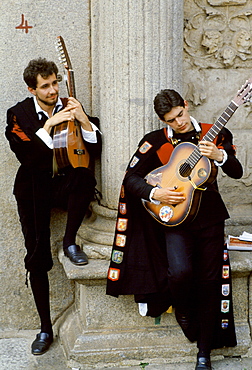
38 187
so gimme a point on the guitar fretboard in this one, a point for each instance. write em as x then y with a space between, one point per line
195 156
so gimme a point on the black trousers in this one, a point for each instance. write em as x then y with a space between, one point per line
194 272
72 190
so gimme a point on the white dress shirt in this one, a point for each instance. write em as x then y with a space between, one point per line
89 136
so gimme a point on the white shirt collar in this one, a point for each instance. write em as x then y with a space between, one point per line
39 110
195 125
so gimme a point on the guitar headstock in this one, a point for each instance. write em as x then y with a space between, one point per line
62 52
244 94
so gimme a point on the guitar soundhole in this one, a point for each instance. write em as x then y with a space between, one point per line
185 170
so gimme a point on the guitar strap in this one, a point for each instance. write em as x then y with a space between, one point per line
164 152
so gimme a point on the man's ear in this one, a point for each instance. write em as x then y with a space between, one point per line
31 90
186 104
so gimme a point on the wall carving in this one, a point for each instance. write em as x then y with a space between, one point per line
218 34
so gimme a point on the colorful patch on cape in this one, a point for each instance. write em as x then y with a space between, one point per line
225 289
225 255
225 271
122 194
117 256
113 274
122 208
134 161
122 224
224 323
225 306
120 240
145 147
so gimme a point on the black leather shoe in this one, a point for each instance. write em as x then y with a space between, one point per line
76 255
203 363
41 344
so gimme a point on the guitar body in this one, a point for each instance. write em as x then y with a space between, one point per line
170 175
69 147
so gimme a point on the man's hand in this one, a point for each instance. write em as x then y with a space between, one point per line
210 150
79 113
168 195
65 114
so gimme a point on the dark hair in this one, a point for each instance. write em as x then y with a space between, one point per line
36 67
166 100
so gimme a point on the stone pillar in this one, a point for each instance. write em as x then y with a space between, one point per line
137 49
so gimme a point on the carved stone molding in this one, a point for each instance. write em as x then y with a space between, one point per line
217 33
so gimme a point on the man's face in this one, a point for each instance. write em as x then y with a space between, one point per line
179 119
47 90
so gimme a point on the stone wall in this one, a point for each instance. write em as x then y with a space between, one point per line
217 62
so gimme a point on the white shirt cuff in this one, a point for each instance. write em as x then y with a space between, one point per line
224 158
45 137
157 202
90 136
143 308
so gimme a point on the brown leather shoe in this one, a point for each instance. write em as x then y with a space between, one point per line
41 344
76 255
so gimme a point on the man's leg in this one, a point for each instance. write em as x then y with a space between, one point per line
209 262
179 248
35 221
74 191
40 289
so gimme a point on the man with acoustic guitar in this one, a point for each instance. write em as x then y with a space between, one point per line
39 187
175 254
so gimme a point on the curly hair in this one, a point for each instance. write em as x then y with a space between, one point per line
166 100
36 67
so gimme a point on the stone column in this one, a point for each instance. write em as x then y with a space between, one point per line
136 50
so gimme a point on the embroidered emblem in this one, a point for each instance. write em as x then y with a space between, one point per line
120 240
166 213
113 274
225 255
145 147
134 161
225 289
225 271
117 256
225 306
122 194
224 324
122 207
122 224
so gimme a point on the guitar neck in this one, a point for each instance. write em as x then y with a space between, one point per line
195 156
221 122
70 83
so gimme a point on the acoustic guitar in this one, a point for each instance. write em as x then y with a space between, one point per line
189 172
69 147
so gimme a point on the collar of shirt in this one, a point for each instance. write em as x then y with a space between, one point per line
195 125
39 111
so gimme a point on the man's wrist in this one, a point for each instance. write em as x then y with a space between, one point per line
224 158
152 195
